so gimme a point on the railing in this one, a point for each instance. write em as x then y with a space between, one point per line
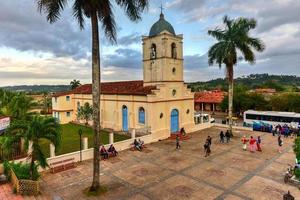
15 152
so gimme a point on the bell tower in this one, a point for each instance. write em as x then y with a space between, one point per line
162 54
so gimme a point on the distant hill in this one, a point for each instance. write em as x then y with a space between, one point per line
38 88
253 81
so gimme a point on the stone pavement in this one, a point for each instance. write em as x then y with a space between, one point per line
161 172
6 193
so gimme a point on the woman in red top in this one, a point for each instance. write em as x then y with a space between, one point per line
252 144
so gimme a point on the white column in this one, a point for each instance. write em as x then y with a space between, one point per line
111 138
85 143
52 150
22 144
30 147
133 133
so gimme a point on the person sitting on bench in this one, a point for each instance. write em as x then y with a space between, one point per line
112 150
103 152
141 143
137 145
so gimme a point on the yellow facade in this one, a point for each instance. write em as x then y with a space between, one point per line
163 68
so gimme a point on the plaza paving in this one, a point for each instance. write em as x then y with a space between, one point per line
161 172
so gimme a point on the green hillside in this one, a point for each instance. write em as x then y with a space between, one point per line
279 82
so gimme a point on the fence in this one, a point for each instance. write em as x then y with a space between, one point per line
15 153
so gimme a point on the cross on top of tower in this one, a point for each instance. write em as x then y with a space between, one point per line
161 8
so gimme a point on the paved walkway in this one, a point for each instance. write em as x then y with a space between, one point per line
161 172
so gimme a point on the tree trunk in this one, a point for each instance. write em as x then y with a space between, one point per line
96 99
32 165
230 96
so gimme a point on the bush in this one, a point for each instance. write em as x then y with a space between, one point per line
296 148
297 173
22 171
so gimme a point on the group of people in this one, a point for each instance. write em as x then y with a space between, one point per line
104 153
223 136
254 144
138 144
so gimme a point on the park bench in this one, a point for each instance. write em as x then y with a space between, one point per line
110 154
62 165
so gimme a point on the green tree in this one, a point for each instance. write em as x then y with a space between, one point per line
33 131
16 105
85 113
95 10
235 37
74 84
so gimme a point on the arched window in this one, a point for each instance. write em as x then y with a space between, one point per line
153 51
141 115
173 51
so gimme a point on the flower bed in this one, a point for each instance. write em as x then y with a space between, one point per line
19 176
22 186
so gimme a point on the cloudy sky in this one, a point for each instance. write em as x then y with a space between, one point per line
32 51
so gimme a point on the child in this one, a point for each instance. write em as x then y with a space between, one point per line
258 142
244 141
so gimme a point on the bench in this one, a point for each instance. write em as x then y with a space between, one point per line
62 165
110 154
132 147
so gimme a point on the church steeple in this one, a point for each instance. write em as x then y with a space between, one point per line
162 53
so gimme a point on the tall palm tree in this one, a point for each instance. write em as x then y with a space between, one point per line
74 84
232 40
95 10
33 131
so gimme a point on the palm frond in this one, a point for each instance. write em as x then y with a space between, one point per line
106 16
78 13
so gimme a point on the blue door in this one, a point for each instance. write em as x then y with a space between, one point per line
174 121
124 118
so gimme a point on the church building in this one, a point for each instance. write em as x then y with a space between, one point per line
161 103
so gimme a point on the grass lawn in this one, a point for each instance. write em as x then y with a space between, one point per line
70 139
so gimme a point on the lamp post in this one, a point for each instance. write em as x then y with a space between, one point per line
80 133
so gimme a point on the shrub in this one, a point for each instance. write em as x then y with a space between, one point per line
297 173
21 170
296 148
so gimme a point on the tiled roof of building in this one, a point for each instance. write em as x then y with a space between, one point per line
120 88
213 96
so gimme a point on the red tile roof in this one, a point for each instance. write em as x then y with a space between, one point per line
120 88
213 96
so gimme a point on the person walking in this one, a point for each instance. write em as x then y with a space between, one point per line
209 140
227 135
258 144
280 142
177 142
206 148
252 144
222 137
244 142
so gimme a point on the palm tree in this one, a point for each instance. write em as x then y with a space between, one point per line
74 84
85 112
16 105
95 10
32 132
234 38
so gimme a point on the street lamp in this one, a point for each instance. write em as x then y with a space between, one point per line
80 133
